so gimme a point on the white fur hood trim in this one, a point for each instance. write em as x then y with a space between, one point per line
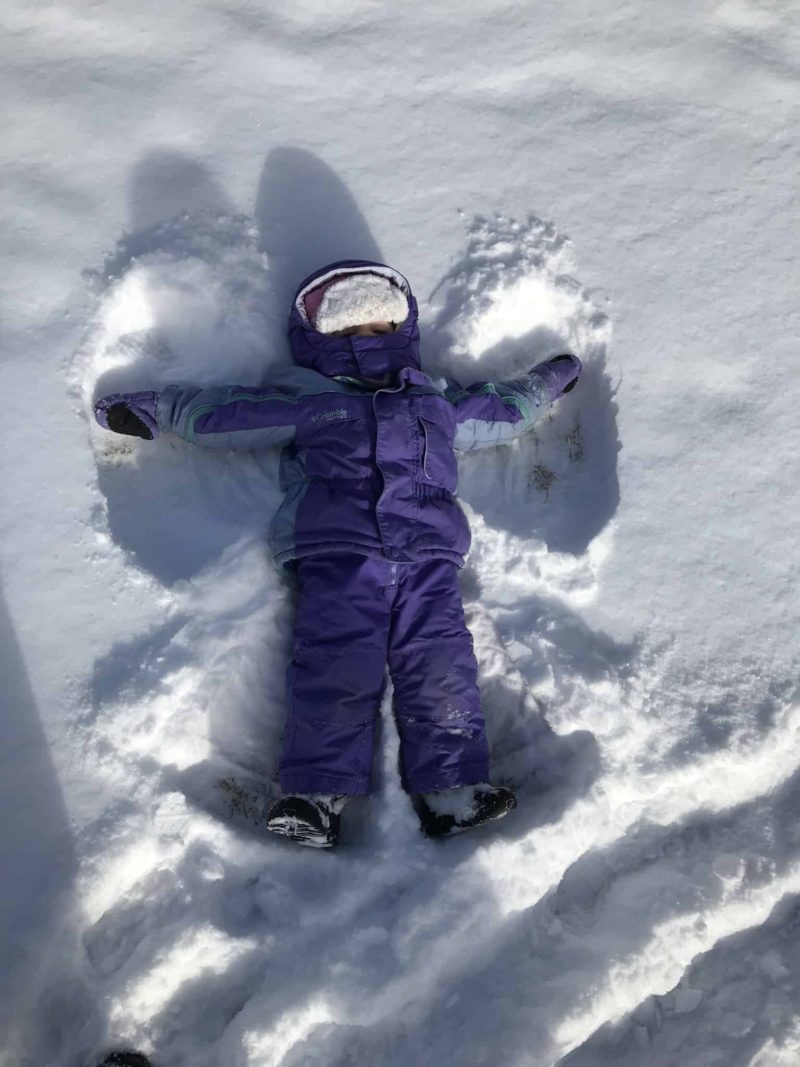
358 299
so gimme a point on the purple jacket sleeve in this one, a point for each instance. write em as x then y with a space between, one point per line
489 414
229 417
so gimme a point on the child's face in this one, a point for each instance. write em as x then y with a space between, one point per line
366 329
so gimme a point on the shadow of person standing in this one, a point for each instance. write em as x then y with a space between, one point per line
37 884
306 217
184 237
165 184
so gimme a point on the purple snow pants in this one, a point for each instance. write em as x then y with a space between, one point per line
355 613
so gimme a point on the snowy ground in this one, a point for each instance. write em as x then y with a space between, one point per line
616 179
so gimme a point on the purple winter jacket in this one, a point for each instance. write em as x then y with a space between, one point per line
363 469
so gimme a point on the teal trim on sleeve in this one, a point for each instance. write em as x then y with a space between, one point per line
194 415
488 389
203 409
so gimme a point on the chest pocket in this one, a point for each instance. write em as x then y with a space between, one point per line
437 462
338 444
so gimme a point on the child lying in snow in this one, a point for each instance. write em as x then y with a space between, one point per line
370 526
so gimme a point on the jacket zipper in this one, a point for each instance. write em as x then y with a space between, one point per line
425 450
398 389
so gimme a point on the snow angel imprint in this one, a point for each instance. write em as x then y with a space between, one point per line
371 528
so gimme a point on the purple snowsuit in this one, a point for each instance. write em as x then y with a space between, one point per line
370 525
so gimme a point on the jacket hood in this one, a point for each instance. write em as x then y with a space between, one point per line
357 357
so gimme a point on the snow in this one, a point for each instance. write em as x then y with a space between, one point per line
619 180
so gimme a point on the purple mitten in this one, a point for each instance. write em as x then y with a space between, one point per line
133 414
560 373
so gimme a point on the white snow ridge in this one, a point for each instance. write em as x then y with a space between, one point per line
632 583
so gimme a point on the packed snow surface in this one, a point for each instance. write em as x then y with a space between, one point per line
615 180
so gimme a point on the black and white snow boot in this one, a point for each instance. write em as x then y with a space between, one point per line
451 811
313 819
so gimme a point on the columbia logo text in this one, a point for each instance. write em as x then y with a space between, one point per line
329 416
